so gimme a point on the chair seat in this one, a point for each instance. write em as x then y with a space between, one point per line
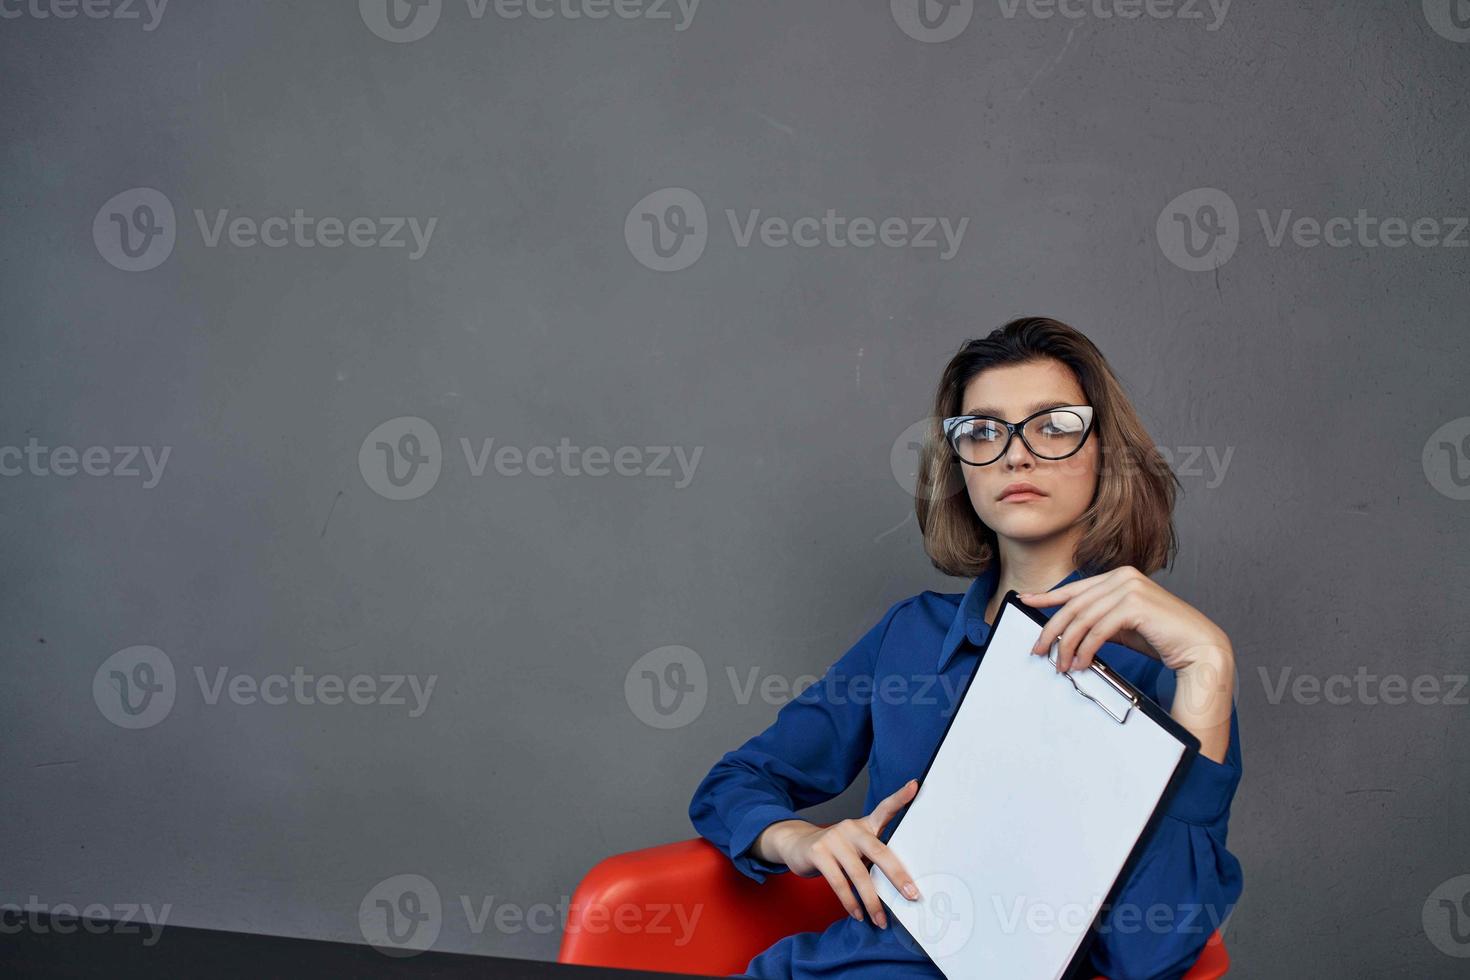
668 908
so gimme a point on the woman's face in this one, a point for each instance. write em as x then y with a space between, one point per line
1066 486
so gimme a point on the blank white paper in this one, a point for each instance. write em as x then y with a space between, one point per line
1032 805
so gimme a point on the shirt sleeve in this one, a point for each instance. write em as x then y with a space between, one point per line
809 754
1185 883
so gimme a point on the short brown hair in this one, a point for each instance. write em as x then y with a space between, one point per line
1130 520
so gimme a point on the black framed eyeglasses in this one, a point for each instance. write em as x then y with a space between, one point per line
1052 433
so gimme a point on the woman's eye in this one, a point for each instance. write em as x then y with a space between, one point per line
1060 427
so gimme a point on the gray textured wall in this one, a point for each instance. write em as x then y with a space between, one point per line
1313 398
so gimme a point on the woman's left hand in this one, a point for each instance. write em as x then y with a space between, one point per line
1126 606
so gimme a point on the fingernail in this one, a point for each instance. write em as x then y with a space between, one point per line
857 915
911 891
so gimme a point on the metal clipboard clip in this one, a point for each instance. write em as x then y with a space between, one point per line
1107 675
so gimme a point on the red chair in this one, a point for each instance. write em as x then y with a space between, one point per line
615 918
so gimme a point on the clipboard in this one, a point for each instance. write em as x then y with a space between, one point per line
1031 813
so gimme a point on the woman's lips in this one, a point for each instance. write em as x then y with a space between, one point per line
1020 497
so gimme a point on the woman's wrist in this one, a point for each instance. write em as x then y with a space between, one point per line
771 845
1204 696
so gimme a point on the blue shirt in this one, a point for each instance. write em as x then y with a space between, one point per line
923 650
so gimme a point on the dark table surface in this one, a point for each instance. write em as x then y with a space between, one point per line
38 949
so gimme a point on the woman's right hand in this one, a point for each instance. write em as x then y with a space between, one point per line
838 852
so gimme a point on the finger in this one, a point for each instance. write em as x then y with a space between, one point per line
1076 628
882 855
851 860
832 871
1104 629
890 805
1082 624
1064 617
1056 597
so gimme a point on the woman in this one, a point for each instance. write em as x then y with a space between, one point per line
1039 478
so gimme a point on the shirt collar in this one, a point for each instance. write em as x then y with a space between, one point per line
969 620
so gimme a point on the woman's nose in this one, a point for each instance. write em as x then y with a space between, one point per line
1017 454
